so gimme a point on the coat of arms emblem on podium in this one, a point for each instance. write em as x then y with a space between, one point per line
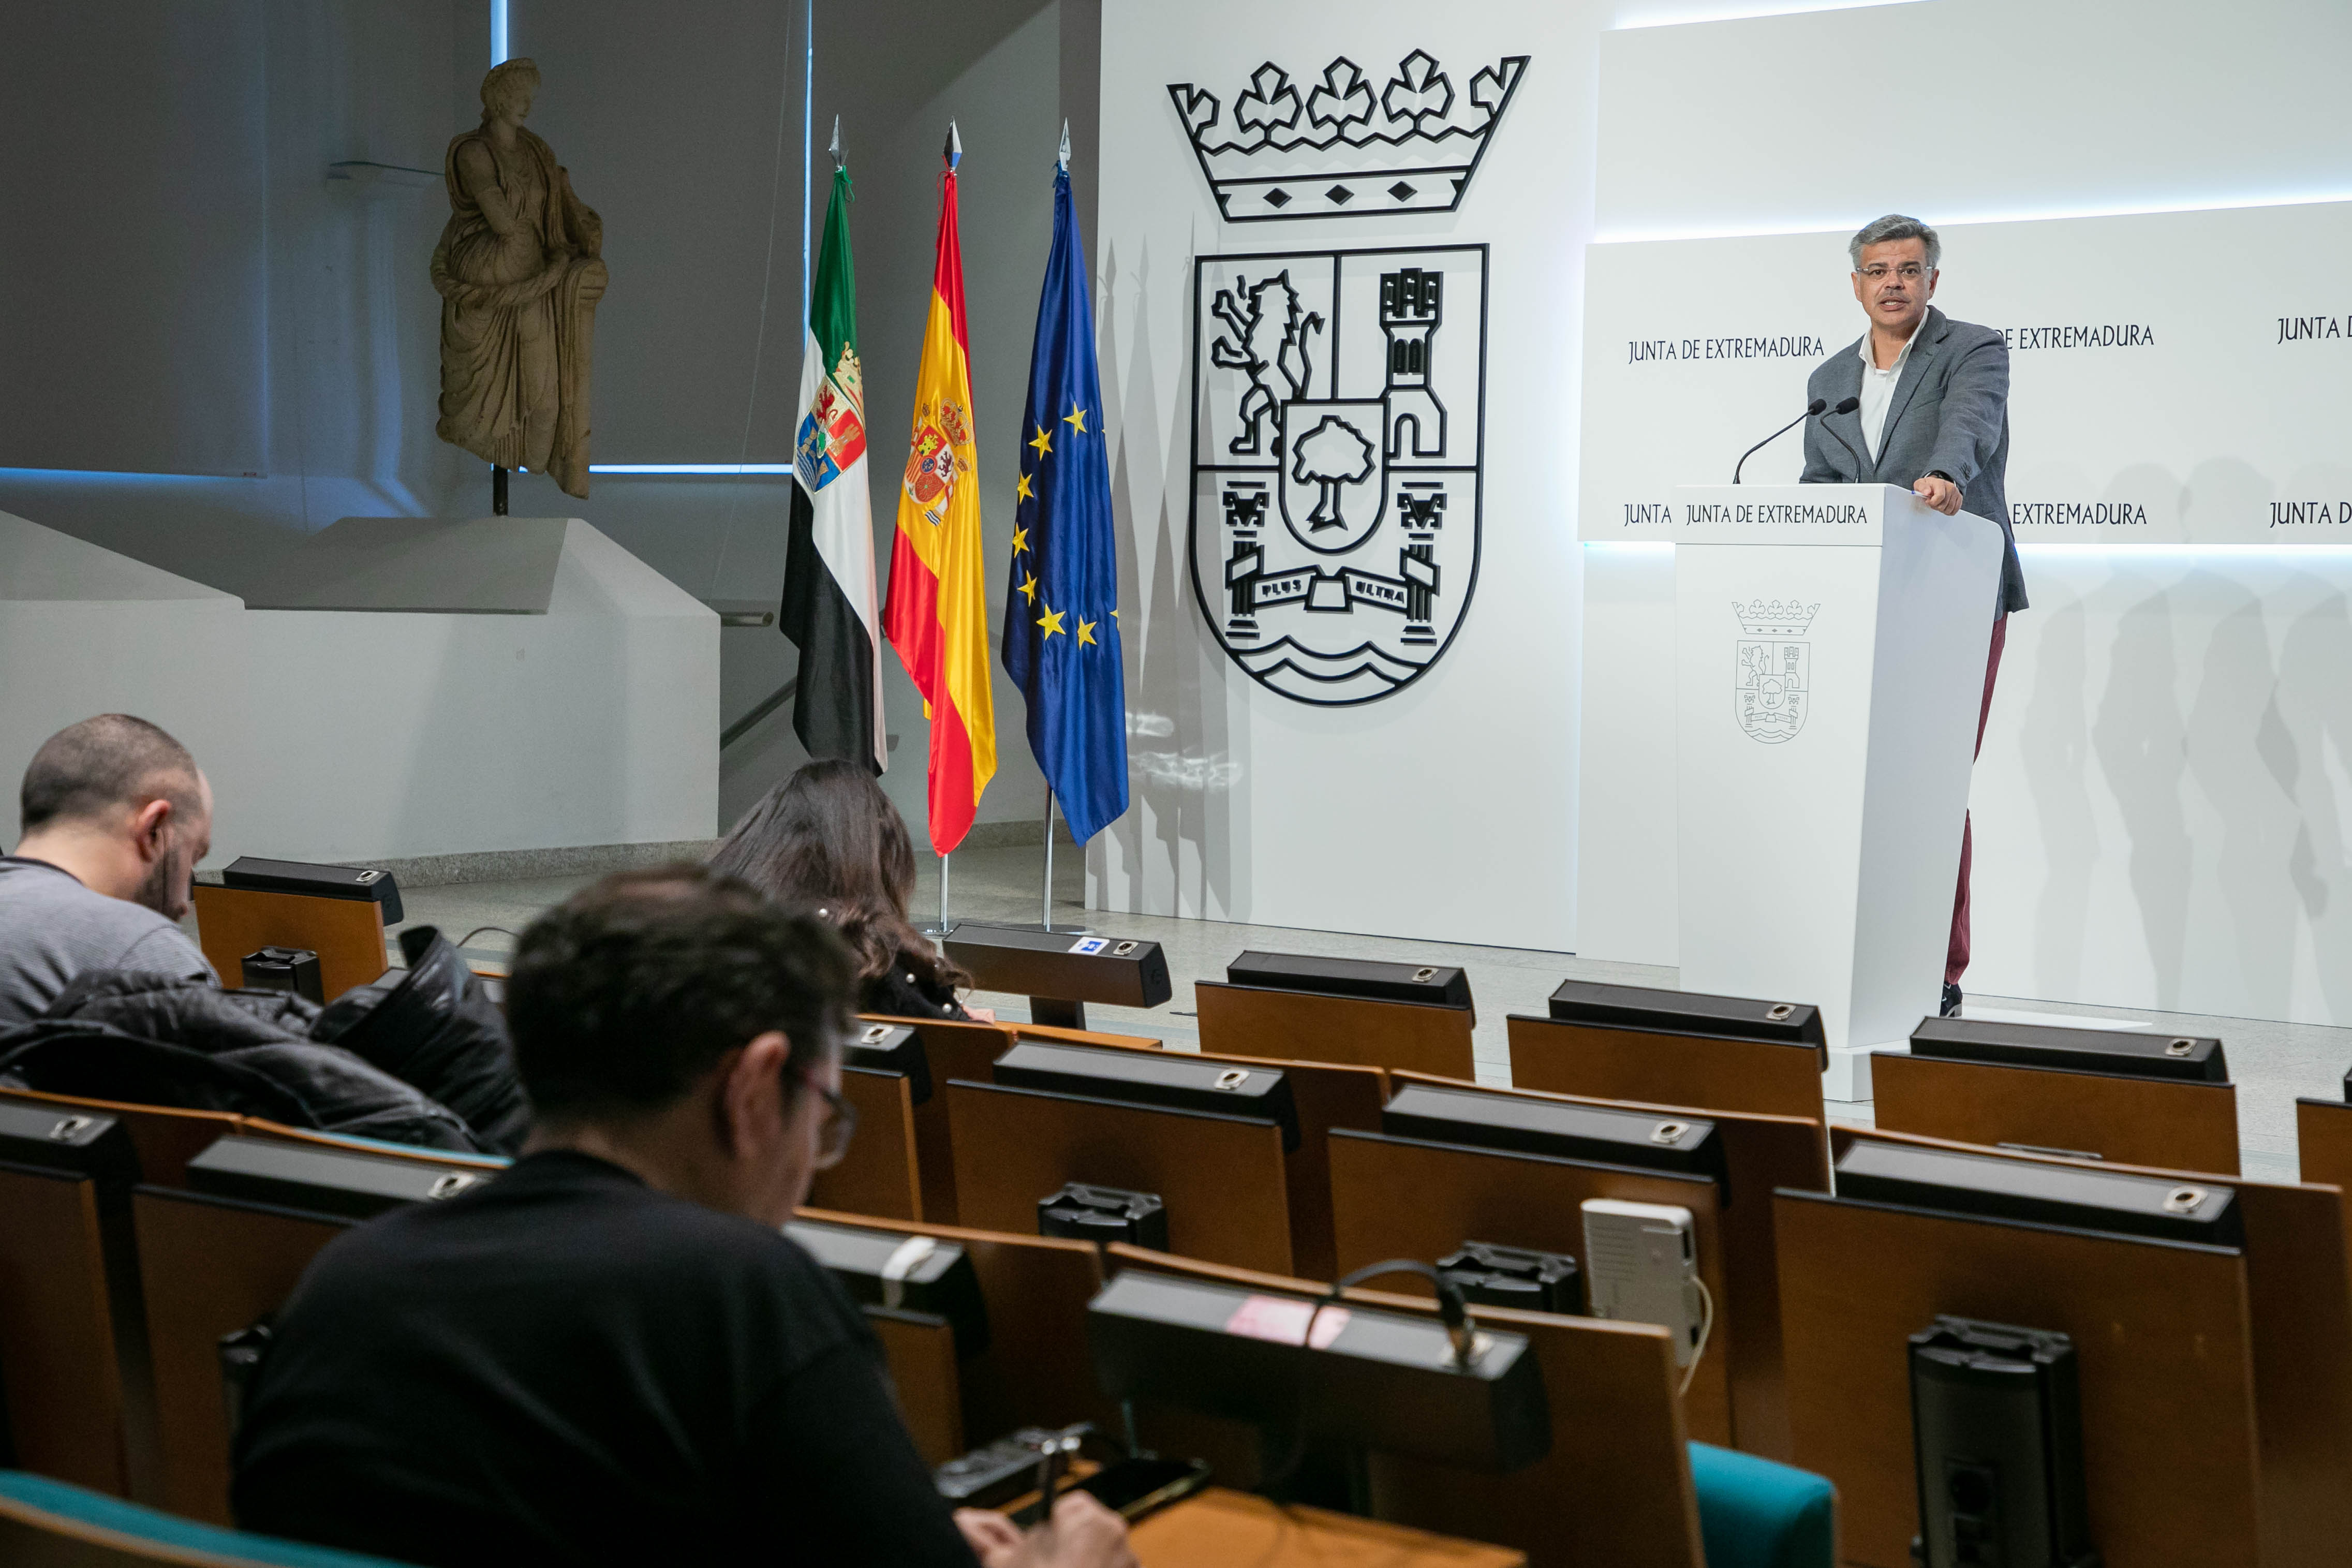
1772 684
1338 422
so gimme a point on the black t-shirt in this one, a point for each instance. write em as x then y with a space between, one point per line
567 1366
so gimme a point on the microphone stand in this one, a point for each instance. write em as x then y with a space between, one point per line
1815 406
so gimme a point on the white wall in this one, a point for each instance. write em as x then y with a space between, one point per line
2157 802
1446 810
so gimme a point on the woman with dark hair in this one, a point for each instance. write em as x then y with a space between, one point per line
828 839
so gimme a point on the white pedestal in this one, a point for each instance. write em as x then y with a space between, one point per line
1830 659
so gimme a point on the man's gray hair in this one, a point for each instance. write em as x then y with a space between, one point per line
1895 225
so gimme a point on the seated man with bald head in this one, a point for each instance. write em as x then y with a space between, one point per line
114 815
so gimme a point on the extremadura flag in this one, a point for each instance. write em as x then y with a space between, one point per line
828 609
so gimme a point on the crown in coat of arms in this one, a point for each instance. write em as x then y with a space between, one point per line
1342 148
1776 619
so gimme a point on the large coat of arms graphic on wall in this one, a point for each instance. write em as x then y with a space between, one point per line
1339 423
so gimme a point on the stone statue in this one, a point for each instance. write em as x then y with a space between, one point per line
519 270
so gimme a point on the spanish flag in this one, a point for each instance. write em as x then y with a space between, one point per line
937 615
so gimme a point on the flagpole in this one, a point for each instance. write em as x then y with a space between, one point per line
1045 916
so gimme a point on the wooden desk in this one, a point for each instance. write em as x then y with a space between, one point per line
1653 1067
880 1173
2300 1313
346 933
1615 1489
1036 1371
1760 1154
2171 1122
951 1048
920 1350
1221 1528
1221 1177
1293 1025
209 1266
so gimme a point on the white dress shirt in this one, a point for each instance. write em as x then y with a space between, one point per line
1878 387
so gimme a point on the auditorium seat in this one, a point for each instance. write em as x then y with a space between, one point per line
1653 1067
47 1523
1755 1513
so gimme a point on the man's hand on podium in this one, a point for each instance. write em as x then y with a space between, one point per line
1939 492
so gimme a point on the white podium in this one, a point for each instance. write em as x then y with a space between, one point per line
1830 645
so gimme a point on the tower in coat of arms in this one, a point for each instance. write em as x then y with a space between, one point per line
1772 675
1342 392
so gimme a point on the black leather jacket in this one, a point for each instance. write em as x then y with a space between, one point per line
406 1054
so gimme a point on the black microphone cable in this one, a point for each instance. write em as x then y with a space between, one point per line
1847 405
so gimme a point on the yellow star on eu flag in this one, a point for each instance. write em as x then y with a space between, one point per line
1021 490
1020 540
1043 442
1087 632
1076 416
1029 589
1051 620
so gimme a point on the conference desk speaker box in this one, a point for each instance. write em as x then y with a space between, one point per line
891 1048
1173 1078
2117 1053
350 1185
1560 1130
1377 1381
2006 1187
897 1272
312 881
1686 1013
77 1142
1119 971
1366 980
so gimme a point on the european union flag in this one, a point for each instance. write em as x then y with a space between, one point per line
1061 600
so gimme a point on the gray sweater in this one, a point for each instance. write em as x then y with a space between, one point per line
53 928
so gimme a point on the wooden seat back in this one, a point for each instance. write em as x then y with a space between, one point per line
2322 1138
1760 1077
346 933
1036 1371
1293 1025
1616 1486
2172 1122
1221 1177
879 1172
59 1363
2249 1365
1760 1154
209 1266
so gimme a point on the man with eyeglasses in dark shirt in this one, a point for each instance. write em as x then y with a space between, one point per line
610 1354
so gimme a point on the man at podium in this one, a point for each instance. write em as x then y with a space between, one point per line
1925 403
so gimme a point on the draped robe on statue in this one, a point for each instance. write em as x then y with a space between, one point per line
519 271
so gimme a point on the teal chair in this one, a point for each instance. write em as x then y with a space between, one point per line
1753 1513
47 1523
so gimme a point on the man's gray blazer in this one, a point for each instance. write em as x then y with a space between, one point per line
1949 415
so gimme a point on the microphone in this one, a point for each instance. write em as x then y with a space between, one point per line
1815 406
1847 405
